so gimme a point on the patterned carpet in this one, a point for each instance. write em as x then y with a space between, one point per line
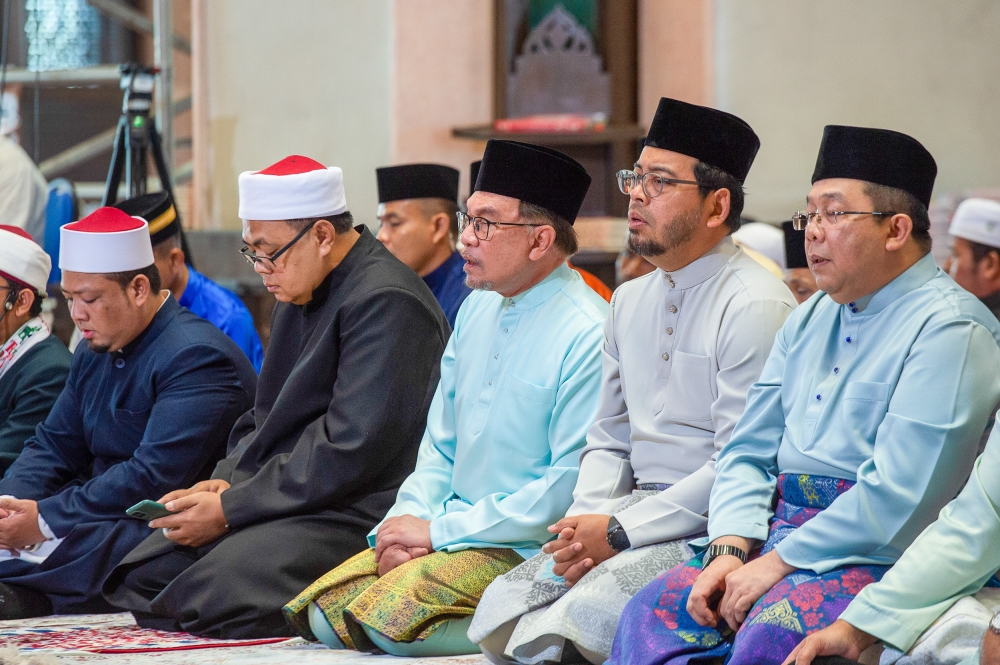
115 639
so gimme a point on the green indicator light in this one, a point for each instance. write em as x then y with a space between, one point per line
137 121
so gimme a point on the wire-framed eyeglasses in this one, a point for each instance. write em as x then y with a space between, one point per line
480 225
652 183
828 219
267 262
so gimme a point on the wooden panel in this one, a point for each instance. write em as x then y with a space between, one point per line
617 24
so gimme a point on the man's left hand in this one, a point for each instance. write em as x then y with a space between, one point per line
582 545
838 639
747 584
409 531
19 529
200 519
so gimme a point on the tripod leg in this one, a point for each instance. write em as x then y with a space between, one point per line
161 170
117 164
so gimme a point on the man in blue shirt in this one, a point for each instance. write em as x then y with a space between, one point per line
191 289
417 204
520 378
864 423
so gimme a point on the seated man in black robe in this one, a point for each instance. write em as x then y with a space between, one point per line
351 367
150 400
33 364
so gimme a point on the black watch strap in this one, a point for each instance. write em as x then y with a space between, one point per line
617 538
714 551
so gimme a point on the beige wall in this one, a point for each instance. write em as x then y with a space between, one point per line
924 67
300 76
441 78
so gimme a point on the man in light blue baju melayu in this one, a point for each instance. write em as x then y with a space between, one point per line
498 462
866 420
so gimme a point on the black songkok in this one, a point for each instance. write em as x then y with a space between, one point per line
795 247
417 181
158 210
474 175
714 137
531 173
881 156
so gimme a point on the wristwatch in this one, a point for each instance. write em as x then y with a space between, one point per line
714 551
995 624
617 538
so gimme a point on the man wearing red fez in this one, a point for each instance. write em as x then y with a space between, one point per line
33 364
865 422
498 460
148 405
347 379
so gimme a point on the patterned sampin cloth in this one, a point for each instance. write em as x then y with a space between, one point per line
406 604
587 614
656 628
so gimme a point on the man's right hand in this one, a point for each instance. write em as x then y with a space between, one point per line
215 486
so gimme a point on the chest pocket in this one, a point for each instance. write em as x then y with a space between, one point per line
520 417
689 391
864 408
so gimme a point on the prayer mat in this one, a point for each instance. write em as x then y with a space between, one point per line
106 634
586 614
656 628
406 604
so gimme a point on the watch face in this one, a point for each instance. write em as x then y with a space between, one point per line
995 623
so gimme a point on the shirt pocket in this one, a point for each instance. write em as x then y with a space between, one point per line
521 416
689 390
864 408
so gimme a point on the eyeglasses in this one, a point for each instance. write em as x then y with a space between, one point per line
828 219
652 183
267 262
481 226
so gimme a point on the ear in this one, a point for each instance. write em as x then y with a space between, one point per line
442 227
900 228
325 235
177 258
542 240
989 267
717 204
25 299
139 290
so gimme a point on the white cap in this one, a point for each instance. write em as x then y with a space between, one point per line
977 220
107 240
766 239
21 259
294 188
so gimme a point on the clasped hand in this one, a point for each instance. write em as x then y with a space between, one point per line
401 539
727 589
581 545
200 519
19 524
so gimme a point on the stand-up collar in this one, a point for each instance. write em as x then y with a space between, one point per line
545 289
912 278
364 245
703 267
163 315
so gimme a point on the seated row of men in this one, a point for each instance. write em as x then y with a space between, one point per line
722 472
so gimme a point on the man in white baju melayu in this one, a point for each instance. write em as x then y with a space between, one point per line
682 347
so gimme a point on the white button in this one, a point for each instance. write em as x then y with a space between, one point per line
490 383
672 309
666 356
505 330
670 331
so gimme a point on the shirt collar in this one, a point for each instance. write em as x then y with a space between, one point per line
703 267
195 283
539 293
163 314
912 278
362 247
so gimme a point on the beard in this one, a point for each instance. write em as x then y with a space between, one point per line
670 237
98 348
478 284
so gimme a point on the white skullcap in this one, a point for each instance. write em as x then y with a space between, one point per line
294 188
977 220
766 239
107 240
22 260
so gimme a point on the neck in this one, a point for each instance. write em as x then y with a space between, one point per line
342 244
180 284
687 253
441 254
146 315
879 279
542 270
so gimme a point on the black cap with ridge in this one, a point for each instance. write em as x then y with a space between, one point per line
541 176
711 136
159 212
881 156
417 181
795 247
473 175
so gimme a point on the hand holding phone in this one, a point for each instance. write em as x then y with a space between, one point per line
147 511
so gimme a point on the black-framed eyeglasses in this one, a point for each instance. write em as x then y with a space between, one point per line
267 262
828 219
480 225
652 183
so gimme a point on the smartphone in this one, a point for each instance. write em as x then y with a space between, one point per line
148 510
